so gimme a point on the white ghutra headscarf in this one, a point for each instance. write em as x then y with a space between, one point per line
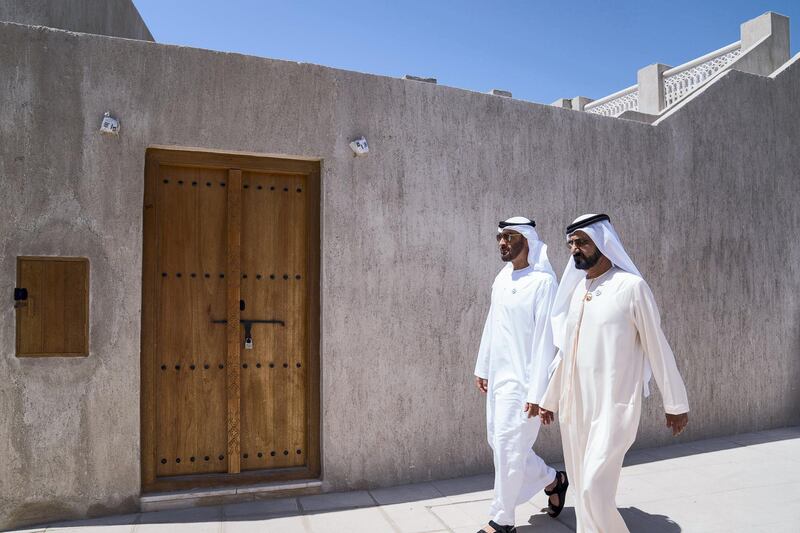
537 250
602 233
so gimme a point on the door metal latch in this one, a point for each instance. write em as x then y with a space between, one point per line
248 335
20 297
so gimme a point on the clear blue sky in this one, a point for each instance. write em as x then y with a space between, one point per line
540 50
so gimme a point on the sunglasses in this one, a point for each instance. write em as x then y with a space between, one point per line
510 238
577 243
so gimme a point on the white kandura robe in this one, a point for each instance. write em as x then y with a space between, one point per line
515 353
598 390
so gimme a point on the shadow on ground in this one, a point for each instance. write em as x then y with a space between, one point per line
637 521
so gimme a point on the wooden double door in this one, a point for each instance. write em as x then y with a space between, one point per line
230 320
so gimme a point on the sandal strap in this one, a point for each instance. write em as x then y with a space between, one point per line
560 485
501 529
560 490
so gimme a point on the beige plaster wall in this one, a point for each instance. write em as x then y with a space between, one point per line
117 18
705 202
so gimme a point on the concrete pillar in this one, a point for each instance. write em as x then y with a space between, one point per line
566 103
579 102
765 44
651 88
769 23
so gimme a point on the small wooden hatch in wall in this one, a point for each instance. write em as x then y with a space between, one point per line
52 306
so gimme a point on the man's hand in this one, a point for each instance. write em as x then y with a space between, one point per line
482 384
545 415
532 409
677 423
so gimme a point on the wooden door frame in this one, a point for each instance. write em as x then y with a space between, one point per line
155 157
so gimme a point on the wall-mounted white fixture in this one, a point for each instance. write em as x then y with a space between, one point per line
360 146
109 124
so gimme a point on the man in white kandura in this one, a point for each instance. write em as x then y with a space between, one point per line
608 332
515 353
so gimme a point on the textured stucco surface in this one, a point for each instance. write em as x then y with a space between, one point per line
117 18
705 201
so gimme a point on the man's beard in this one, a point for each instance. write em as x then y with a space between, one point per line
585 263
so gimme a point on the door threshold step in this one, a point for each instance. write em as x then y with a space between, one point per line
163 501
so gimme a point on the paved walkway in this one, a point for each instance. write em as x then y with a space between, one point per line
746 483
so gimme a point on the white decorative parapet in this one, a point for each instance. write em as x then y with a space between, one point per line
615 104
683 79
763 48
678 82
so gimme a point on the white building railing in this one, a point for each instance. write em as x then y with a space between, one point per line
615 104
763 48
678 82
684 79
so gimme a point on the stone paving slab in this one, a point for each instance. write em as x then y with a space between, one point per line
713 486
336 500
412 517
261 508
417 492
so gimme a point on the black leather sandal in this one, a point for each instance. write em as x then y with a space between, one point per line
500 529
561 490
